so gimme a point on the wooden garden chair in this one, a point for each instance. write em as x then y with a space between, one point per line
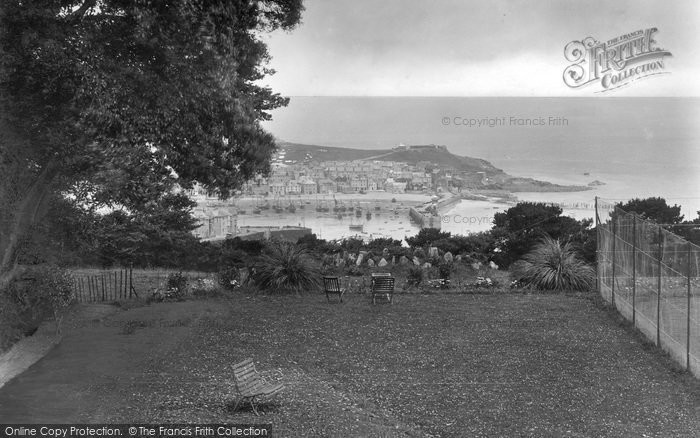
383 285
331 285
250 385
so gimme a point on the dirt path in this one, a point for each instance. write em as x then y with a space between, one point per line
96 356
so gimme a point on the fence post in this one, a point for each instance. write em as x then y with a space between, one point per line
614 244
597 246
131 279
634 270
658 289
687 339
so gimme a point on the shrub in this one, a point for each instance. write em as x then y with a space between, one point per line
414 276
445 270
38 293
439 283
420 253
520 228
229 278
485 282
205 287
177 283
286 267
59 286
351 244
354 271
553 266
426 237
378 245
11 325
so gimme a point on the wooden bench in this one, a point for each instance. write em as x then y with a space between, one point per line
250 385
331 285
383 285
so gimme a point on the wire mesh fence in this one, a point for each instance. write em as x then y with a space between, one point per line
651 276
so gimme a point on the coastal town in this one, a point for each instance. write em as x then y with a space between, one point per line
310 176
415 183
297 183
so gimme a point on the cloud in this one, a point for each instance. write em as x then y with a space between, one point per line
462 48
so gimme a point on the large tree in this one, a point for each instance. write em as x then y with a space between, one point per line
114 101
654 209
520 228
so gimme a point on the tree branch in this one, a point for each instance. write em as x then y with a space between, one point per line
80 12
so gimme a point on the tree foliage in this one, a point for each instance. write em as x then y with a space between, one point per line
115 101
426 237
518 230
654 209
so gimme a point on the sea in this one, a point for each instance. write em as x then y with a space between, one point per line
636 146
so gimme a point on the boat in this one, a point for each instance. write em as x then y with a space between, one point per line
357 227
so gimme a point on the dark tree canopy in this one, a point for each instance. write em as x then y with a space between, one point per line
653 209
115 101
522 226
427 236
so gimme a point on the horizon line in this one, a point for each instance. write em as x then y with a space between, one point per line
488 96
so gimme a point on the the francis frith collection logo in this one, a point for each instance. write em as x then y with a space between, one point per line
616 62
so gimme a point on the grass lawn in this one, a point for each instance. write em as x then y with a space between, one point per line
428 365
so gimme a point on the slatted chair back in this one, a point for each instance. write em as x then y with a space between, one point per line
245 375
250 384
331 285
383 285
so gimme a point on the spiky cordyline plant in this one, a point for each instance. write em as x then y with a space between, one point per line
285 267
552 265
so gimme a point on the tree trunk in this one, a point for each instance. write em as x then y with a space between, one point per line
27 212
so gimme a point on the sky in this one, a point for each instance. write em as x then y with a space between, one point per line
472 47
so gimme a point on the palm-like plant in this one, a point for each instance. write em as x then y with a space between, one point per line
552 265
286 267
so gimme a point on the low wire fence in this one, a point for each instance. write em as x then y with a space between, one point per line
108 285
651 276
